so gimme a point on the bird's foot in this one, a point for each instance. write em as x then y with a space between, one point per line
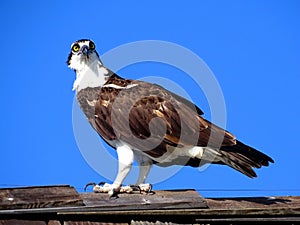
147 188
113 189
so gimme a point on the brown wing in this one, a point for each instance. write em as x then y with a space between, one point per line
150 118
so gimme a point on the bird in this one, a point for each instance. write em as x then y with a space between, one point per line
150 124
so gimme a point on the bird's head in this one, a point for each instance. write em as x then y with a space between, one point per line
84 59
83 53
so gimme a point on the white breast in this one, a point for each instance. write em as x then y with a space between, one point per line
89 72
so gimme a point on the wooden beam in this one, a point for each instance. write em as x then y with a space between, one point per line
39 197
172 199
57 205
22 222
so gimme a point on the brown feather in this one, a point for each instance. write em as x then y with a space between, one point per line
128 112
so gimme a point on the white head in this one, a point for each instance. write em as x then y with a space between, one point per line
85 61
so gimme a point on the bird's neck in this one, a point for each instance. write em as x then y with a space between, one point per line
92 74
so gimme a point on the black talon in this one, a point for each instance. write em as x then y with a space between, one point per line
89 184
136 188
150 190
114 194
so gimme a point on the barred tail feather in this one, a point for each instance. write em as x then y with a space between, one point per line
244 158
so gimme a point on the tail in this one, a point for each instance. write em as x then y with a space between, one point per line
244 158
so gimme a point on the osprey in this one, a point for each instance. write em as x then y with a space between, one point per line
150 124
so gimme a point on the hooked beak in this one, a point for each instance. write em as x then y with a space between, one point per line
84 50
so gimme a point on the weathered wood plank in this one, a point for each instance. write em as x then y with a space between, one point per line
151 223
39 197
219 209
91 223
54 222
258 220
21 222
255 205
174 199
172 206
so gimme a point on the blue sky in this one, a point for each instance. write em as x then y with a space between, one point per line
252 47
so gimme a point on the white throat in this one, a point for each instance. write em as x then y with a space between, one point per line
89 72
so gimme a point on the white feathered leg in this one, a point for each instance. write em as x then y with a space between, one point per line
125 158
145 164
144 171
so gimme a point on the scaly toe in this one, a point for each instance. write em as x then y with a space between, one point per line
111 189
145 187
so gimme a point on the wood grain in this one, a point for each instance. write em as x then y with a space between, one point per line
39 197
175 199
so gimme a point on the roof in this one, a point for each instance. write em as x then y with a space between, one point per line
62 204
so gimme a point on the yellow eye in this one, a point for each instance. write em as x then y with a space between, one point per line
76 48
92 45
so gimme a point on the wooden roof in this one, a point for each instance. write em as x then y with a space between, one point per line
55 205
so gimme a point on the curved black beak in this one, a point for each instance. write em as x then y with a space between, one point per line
84 50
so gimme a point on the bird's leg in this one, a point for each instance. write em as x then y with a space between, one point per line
125 158
144 166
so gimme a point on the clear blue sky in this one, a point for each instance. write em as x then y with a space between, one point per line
252 47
